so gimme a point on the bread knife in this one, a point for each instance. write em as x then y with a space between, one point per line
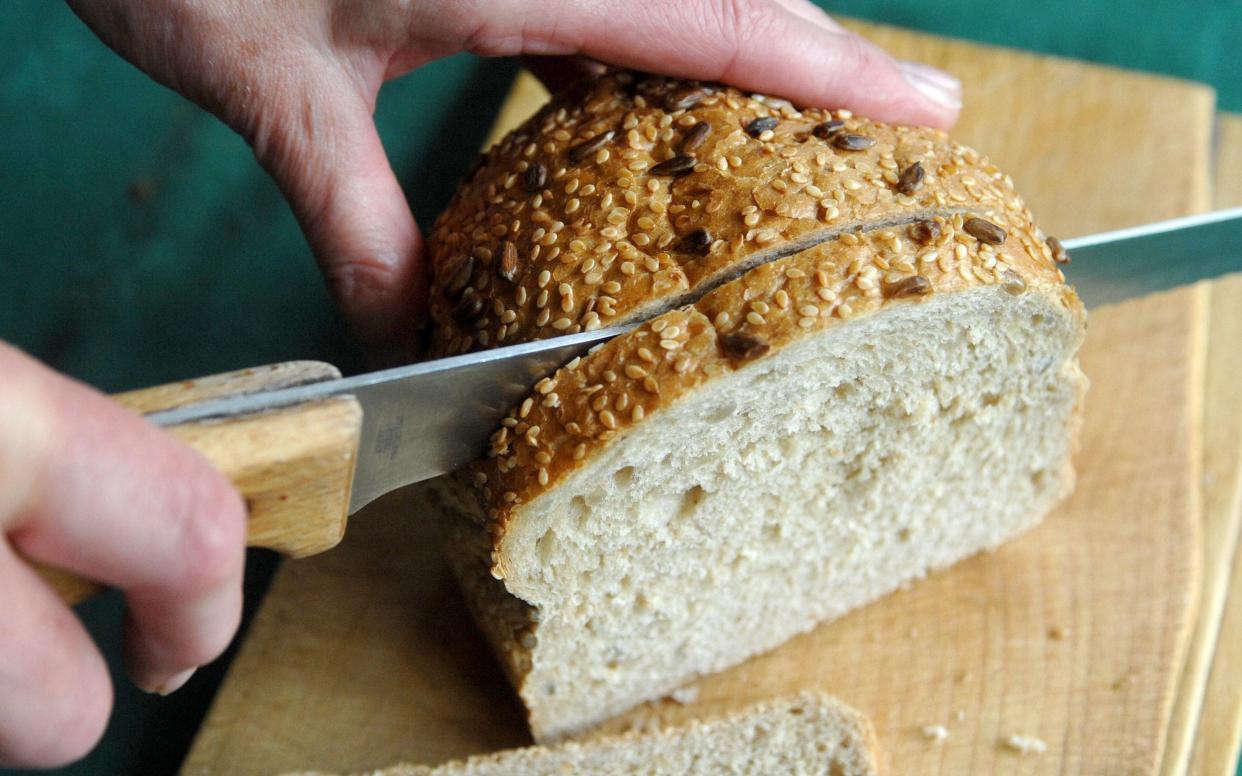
305 456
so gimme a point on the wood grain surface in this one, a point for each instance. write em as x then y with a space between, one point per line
1219 723
1075 634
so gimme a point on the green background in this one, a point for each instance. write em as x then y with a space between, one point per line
140 243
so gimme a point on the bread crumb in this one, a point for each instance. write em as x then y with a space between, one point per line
935 733
960 715
1026 744
1056 633
685 695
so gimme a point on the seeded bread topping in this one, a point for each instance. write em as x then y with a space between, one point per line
575 412
627 196
646 195
839 325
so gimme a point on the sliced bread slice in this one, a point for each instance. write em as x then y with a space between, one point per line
805 734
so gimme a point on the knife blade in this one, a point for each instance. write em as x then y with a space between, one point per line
426 419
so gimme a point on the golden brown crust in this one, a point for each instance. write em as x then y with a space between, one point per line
576 412
566 227
534 245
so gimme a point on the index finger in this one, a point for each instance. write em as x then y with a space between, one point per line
107 496
780 47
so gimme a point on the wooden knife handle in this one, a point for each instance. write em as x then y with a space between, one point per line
294 466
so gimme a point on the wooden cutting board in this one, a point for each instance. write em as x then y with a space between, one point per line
1077 634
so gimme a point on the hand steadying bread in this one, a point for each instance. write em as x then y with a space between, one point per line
856 363
90 488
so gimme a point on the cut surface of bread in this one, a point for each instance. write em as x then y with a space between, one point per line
807 428
808 734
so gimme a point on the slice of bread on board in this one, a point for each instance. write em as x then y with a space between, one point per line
804 734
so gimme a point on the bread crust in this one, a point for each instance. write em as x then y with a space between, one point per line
579 410
797 225
804 237
568 224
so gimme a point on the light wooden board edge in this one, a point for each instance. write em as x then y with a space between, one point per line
1219 736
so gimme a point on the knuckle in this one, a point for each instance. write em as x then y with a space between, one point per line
354 282
213 538
742 26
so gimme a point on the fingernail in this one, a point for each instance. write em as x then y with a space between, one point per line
173 683
936 85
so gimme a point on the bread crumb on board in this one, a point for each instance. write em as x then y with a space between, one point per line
937 733
1026 744
685 695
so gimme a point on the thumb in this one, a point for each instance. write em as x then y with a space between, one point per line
326 155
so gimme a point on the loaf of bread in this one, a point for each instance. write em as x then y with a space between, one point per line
855 362
807 734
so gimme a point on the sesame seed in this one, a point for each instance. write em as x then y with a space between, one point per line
560 324
637 413
608 420
1012 282
755 319
670 344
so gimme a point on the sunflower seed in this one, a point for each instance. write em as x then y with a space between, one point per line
677 166
911 179
695 137
984 231
760 125
467 308
697 241
684 98
740 347
1059 254
915 285
827 129
588 147
509 262
924 232
847 142
457 274
535 177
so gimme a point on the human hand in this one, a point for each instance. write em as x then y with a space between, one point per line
299 79
91 488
